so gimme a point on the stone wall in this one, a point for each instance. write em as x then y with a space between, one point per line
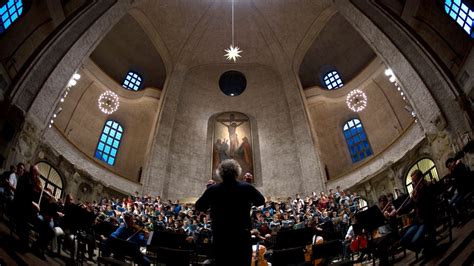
263 101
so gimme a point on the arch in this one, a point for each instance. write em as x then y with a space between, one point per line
427 167
51 179
356 139
109 142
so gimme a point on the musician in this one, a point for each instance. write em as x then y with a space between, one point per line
461 177
258 249
130 232
231 238
422 233
27 190
384 235
389 212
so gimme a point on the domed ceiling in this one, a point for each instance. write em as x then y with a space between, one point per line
192 33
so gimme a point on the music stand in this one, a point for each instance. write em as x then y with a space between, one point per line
293 238
370 219
166 239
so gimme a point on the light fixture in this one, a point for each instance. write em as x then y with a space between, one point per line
108 102
388 72
71 83
356 100
234 51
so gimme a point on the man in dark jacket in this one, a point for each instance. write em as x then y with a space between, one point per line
230 203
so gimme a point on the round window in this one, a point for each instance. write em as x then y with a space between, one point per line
232 83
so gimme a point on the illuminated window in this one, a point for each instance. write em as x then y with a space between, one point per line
461 13
427 167
50 179
109 142
10 12
356 139
132 81
332 80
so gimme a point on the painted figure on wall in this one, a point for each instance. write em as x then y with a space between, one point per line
228 130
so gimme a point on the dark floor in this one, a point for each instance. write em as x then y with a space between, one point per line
459 252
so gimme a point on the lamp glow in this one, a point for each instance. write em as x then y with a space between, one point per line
108 102
356 100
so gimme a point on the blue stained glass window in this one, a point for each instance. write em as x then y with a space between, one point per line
460 13
10 12
132 81
111 134
357 141
332 80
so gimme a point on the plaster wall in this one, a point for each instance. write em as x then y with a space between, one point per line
384 119
81 122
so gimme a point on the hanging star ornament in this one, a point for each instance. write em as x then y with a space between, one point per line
233 53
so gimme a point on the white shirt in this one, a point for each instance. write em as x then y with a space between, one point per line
12 180
350 232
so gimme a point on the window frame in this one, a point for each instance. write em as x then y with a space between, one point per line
356 139
25 6
335 84
46 180
107 148
450 7
132 81
425 174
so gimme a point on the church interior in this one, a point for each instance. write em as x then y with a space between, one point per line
141 100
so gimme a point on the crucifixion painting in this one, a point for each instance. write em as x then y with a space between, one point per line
232 139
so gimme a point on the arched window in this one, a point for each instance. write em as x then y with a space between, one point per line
332 80
9 12
132 81
427 167
109 142
356 139
50 179
461 13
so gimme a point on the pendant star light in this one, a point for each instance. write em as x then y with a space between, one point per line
356 100
108 102
233 52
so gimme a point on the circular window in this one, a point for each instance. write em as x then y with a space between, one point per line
232 83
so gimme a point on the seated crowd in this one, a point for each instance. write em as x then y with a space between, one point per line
134 217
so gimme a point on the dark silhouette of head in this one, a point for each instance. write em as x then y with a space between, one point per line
229 170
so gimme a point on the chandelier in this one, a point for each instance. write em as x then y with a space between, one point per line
234 51
108 102
356 100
